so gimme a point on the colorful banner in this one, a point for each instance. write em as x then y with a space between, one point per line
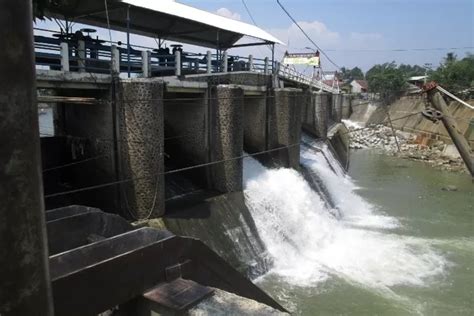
311 59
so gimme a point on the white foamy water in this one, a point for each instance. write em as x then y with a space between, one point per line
309 245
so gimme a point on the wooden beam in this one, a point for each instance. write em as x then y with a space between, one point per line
62 99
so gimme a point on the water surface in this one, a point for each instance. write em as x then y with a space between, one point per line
400 246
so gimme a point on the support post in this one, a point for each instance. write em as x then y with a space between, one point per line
209 62
141 130
146 69
457 137
115 61
273 59
265 68
177 60
225 62
226 137
250 62
24 272
128 42
81 53
284 126
64 56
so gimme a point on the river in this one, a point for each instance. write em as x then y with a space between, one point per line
397 245
394 244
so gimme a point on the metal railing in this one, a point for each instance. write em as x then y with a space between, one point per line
292 74
89 55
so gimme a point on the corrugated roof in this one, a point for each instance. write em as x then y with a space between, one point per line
165 19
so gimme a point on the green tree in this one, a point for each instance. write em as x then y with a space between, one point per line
347 74
356 73
410 71
387 79
455 75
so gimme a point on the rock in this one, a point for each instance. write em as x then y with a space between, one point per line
449 188
224 303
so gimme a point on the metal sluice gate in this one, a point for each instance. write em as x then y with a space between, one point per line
99 261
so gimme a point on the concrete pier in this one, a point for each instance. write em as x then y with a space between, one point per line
141 141
314 118
255 123
336 107
346 106
284 126
226 137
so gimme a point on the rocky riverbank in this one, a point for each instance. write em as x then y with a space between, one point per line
382 138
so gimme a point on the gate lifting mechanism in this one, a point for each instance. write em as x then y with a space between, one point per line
432 114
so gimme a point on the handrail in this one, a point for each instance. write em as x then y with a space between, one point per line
94 56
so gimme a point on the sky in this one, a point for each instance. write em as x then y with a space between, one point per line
357 32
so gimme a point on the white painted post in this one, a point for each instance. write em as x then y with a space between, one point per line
225 62
115 61
209 62
265 68
146 67
177 60
250 62
64 56
81 53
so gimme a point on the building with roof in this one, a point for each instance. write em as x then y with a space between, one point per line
359 86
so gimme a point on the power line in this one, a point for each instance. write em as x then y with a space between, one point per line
248 12
306 35
103 185
75 163
399 49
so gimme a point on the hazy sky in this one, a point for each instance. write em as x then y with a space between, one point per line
349 29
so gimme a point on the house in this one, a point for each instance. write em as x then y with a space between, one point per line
359 86
418 81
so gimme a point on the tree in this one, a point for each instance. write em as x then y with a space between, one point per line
356 73
387 79
455 75
351 74
410 71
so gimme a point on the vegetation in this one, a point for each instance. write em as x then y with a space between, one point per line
387 79
351 74
38 8
455 74
411 71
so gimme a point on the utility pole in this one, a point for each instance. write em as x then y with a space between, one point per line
457 137
24 271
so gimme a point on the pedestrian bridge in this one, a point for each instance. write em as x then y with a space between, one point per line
82 53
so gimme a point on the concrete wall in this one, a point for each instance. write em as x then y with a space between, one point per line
242 78
375 113
336 111
141 142
284 126
314 116
255 123
227 137
339 140
429 130
346 106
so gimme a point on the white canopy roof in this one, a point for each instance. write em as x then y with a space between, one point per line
165 19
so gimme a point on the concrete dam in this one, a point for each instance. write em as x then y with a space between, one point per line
180 150
147 176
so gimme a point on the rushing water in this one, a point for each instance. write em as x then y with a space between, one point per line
397 245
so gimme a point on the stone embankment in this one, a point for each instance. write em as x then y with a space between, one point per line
380 137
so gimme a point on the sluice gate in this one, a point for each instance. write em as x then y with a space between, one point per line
100 262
